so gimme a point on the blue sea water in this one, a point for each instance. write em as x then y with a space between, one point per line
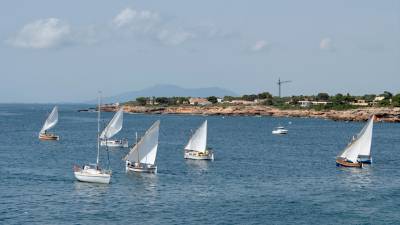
256 178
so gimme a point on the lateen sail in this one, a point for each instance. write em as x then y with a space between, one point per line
51 121
146 150
198 142
365 137
362 144
114 126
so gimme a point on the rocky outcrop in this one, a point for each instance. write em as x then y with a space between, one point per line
362 114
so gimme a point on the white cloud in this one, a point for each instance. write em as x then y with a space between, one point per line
43 33
174 37
260 45
149 25
132 17
326 44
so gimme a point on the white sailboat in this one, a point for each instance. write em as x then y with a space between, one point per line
196 148
92 172
113 127
359 147
50 122
142 156
364 156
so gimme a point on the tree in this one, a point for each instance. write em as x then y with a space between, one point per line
212 99
369 98
249 97
264 95
162 100
387 95
141 101
396 100
348 98
228 98
323 96
338 99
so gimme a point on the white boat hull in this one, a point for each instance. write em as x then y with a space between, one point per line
279 132
208 155
92 175
115 143
140 168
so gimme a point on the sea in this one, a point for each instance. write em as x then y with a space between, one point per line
256 177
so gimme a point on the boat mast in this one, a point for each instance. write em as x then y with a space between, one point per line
98 129
137 147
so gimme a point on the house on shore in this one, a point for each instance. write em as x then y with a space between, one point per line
199 101
307 103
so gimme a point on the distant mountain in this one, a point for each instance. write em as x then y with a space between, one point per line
166 90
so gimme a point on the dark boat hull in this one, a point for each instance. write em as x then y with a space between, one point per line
49 137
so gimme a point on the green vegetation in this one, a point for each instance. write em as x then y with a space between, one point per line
320 101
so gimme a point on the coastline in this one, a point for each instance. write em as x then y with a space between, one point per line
383 114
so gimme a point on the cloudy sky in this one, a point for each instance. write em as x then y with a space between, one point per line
54 51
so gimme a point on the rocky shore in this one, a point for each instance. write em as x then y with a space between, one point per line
361 114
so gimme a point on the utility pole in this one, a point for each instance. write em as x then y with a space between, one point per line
280 84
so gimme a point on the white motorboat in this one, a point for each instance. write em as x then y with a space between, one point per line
113 127
196 148
92 173
280 130
142 157
123 143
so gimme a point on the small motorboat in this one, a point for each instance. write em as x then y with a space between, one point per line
123 143
280 130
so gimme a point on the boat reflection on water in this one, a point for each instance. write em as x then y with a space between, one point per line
198 165
356 178
144 181
90 190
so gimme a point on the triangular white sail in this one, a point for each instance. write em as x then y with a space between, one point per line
51 121
198 141
365 137
114 126
146 150
361 144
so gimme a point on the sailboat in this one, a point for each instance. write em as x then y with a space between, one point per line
92 172
196 148
358 151
113 127
142 157
50 122
364 156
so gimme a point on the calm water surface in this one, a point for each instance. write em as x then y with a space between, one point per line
257 178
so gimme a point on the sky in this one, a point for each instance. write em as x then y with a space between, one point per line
65 51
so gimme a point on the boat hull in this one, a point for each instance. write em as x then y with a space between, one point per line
207 155
279 132
365 160
49 137
140 168
115 143
344 163
97 176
